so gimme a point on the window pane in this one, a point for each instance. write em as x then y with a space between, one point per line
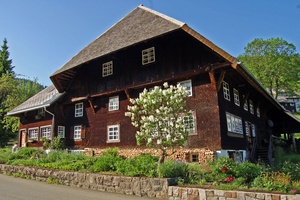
113 103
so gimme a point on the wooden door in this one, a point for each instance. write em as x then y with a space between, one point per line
23 138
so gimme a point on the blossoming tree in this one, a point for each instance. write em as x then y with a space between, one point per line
161 116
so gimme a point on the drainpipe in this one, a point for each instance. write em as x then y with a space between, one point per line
53 120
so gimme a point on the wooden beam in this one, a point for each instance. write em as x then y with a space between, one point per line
212 80
127 94
91 105
220 80
79 99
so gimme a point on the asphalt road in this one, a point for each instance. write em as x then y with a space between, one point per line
21 189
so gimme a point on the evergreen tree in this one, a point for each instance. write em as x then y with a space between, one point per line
5 63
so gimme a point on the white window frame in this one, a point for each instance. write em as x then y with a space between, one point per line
79 109
234 123
190 120
258 111
113 103
35 133
148 56
61 130
226 91
77 132
236 97
251 107
188 85
245 106
46 132
113 133
253 127
107 69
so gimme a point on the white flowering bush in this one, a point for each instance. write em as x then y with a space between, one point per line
159 116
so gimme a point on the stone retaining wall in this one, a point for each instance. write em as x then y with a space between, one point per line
140 186
181 193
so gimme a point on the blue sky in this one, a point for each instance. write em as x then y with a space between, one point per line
43 35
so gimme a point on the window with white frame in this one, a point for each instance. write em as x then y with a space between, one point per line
251 107
78 109
245 106
226 91
33 133
61 131
107 68
77 132
188 86
234 123
236 97
257 111
250 127
190 123
113 133
46 132
148 56
113 103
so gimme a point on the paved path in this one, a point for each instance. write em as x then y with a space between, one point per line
21 189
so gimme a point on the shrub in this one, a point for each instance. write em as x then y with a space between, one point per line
222 168
197 174
248 171
142 165
26 153
276 181
171 169
107 162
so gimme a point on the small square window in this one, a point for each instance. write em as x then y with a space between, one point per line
107 69
188 86
77 132
236 97
194 157
78 109
148 56
46 132
113 103
33 133
61 131
113 133
41 112
226 91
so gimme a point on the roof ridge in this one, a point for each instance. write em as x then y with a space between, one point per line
171 19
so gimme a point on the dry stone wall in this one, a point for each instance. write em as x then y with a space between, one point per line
140 186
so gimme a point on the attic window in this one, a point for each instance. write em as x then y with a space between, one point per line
148 56
107 68
226 91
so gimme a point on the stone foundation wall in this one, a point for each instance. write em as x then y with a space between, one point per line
204 155
140 186
180 193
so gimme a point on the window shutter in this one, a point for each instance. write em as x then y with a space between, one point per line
83 131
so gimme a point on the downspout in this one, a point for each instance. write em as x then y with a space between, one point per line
53 121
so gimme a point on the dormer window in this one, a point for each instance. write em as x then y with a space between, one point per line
148 56
41 112
107 68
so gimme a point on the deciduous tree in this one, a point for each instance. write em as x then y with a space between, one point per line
159 114
274 62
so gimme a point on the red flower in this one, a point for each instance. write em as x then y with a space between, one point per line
229 179
224 169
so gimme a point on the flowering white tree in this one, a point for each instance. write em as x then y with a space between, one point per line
159 114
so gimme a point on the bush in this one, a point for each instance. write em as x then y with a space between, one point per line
197 174
26 153
107 162
142 165
172 169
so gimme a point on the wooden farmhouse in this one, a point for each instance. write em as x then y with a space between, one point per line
233 115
